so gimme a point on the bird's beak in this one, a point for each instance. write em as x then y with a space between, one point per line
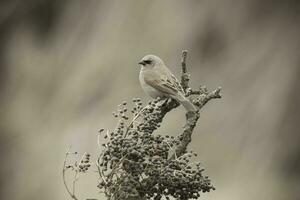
142 63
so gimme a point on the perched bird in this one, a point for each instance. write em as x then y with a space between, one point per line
158 81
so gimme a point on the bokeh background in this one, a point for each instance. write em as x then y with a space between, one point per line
66 65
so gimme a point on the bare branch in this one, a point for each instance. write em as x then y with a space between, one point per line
192 117
203 99
191 120
72 194
185 77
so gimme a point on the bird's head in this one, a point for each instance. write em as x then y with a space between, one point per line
151 61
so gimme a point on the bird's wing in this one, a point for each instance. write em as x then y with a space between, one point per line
163 83
160 83
176 84
170 86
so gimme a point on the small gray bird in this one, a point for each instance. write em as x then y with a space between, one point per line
158 81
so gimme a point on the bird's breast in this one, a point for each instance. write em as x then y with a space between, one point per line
149 90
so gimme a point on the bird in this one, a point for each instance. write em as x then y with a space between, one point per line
158 81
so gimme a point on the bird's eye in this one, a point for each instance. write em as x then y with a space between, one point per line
148 61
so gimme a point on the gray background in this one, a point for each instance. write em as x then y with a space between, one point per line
65 65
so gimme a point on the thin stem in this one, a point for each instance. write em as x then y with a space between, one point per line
171 149
133 120
72 195
74 182
99 169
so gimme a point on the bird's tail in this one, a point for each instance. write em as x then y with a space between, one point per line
189 106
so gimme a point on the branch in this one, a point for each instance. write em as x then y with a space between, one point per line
204 98
72 194
185 77
192 117
191 121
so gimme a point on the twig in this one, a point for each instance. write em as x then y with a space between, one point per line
72 195
133 120
99 169
203 99
185 77
74 183
98 141
171 149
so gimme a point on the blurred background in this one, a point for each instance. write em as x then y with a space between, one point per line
66 65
